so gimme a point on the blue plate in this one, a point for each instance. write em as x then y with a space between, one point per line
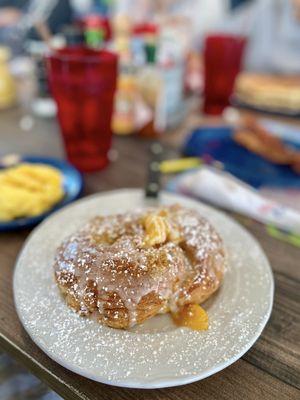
217 143
72 183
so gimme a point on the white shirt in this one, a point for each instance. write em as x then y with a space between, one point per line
273 35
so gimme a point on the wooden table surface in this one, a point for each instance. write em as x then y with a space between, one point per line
270 370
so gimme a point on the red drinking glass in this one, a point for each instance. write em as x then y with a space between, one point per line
223 55
83 83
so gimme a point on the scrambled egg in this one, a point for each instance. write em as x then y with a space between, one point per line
28 190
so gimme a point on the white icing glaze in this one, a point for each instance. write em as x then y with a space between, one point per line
107 260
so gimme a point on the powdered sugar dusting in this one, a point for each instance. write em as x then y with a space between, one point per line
157 353
105 271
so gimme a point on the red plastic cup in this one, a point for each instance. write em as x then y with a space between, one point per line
223 56
83 83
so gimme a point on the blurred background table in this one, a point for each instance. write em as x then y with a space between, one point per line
270 370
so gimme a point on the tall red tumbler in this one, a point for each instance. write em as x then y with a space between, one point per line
223 56
83 83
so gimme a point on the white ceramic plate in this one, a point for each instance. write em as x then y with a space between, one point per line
156 354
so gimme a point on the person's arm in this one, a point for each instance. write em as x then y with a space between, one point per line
37 12
9 16
296 4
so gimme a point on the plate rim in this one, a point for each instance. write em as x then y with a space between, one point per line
156 383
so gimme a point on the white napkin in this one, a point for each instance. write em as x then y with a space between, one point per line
224 190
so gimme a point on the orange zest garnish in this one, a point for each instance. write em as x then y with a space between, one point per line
192 316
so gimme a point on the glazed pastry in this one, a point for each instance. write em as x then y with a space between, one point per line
123 269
